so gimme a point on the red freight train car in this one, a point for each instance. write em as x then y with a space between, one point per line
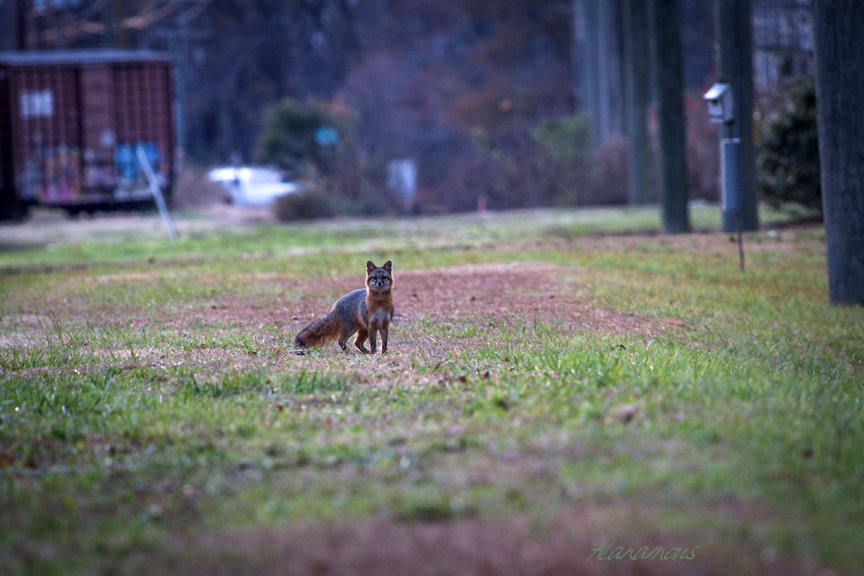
71 124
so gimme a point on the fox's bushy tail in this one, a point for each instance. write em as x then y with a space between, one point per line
318 332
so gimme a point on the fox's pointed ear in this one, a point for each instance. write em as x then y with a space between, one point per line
388 266
370 266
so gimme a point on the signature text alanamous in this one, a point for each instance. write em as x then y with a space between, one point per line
644 553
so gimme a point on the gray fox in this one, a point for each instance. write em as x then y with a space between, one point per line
362 311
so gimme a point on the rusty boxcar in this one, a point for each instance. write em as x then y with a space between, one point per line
71 123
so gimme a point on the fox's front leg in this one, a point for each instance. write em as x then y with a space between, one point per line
385 331
361 340
373 343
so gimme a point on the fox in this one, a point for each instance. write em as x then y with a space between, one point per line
364 312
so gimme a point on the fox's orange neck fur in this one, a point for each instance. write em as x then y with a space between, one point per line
375 300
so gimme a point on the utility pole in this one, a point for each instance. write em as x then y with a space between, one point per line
59 13
734 57
40 21
108 22
179 38
118 14
182 85
672 137
636 95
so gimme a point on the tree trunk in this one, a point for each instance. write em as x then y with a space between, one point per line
589 68
604 76
635 44
838 27
734 35
577 56
669 88
601 76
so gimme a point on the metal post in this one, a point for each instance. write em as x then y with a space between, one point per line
730 155
740 241
156 191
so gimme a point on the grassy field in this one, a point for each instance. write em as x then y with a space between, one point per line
552 384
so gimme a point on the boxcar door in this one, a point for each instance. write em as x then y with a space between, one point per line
99 135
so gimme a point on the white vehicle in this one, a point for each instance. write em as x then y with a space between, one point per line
251 186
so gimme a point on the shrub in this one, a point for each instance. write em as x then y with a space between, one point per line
314 142
289 139
195 190
567 148
306 205
608 179
788 154
566 139
510 174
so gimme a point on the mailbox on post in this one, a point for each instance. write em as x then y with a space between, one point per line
720 110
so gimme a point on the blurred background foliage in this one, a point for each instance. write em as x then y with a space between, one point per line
788 158
482 94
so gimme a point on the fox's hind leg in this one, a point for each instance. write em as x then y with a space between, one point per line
343 337
362 335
